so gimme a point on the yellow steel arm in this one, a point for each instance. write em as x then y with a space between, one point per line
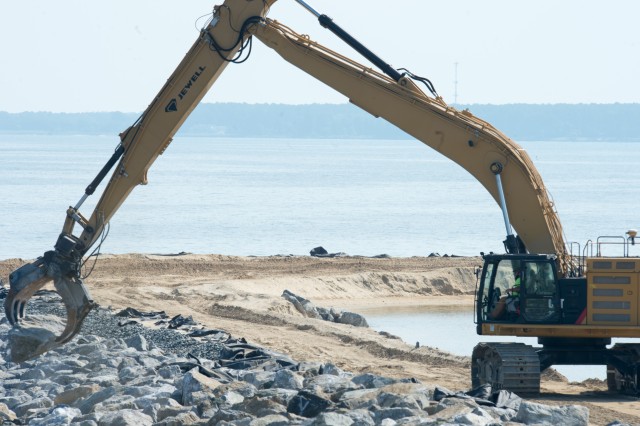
472 143
140 145
184 90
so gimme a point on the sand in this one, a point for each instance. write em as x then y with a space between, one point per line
242 295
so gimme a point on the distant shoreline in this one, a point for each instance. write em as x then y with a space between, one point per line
525 122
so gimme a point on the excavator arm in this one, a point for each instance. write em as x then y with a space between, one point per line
141 144
469 141
483 151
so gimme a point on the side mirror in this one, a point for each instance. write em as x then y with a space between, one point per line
478 271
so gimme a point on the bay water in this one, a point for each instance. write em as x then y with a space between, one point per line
287 196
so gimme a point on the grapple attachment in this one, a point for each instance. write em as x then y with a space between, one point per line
25 282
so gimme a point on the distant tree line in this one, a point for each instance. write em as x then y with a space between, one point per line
619 122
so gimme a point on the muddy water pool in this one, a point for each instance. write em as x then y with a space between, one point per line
453 330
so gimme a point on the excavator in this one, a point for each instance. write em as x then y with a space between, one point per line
573 300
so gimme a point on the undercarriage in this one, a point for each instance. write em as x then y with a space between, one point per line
517 367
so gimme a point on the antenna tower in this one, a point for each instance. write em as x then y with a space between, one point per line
455 84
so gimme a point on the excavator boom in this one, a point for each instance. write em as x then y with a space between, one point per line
492 158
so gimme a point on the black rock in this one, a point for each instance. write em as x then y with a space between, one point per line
307 404
318 251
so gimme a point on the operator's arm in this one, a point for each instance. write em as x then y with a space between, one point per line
472 143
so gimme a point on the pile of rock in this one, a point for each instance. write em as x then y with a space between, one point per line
130 379
309 310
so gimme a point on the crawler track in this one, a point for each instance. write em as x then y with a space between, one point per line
511 366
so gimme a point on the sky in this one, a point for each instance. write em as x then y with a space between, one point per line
79 55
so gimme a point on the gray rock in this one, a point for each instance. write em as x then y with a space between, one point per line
271 420
103 380
196 385
36 336
352 318
115 403
163 390
127 374
88 349
152 406
392 400
395 414
84 423
302 305
169 371
279 395
228 416
477 417
330 368
125 418
566 415
361 417
138 342
448 408
58 416
173 410
420 421
360 398
309 369
72 395
369 380
86 405
328 383
287 379
39 403
260 379
332 419
33 374
184 418
6 415
15 398
261 407
69 379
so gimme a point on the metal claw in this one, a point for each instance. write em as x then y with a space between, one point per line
28 279
23 284
77 302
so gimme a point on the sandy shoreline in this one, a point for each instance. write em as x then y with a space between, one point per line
243 296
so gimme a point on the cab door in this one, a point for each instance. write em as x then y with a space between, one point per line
540 294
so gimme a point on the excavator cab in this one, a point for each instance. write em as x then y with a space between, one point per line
518 288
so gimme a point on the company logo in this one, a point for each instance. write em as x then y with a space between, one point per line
172 106
192 80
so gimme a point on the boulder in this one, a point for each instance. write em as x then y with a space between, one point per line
307 404
72 395
352 318
318 251
566 415
195 386
59 416
138 342
287 379
332 419
6 415
126 418
35 336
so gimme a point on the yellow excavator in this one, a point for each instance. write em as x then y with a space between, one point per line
572 301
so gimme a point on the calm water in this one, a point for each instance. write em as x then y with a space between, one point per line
429 325
265 196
